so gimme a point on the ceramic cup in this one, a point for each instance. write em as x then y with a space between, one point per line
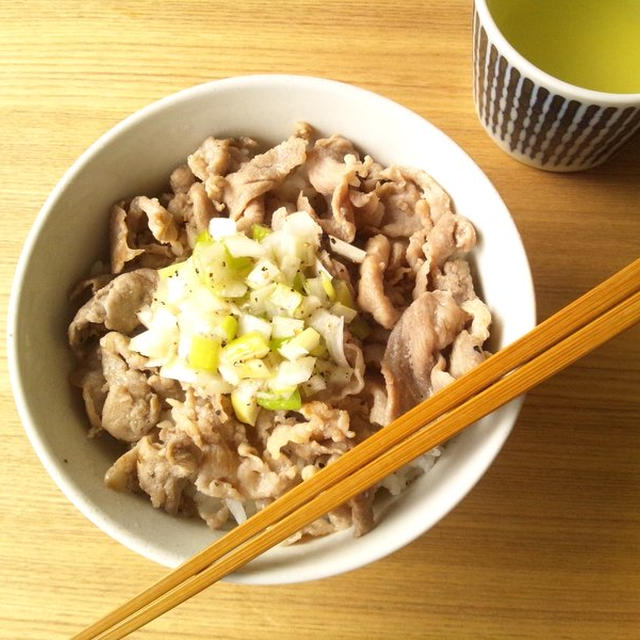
538 119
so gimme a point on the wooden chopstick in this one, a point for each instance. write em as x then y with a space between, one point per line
563 323
621 317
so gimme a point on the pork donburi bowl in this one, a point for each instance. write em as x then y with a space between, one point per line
137 156
265 314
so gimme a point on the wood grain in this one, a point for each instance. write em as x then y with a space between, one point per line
547 545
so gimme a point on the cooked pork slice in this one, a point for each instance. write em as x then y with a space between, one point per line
258 481
412 200
132 239
323 424
450 234
86 288
362 513
304 130
429 325
121 252
327 422
436 197
291 434
405 211
340 518
213 511
253 214
156 256
377 391
241 150
166 388
314 453
439 377
355 358
481 319
90 379
131 408
192 210
398 275
455 277
165 483
465 354
371 294
181 179
210 158
415 252
93 395
467 351
342 222
293 185
161 223
201 210
122 475
261 174
114 307
325 163
217 476
179 206
182 452
206 420
317 528
368 211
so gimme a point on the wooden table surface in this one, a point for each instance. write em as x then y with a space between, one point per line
548 543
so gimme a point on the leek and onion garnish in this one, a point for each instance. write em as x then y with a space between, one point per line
254 316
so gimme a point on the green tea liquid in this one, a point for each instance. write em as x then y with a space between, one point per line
593 44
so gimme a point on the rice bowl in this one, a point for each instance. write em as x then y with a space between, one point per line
135 157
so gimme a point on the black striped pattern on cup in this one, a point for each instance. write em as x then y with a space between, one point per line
537 126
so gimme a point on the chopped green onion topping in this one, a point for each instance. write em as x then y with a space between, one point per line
343 293
286 298
276 343
250 345
229 327
204 353
298 282
276 402
244 403
256 316
259 232
328 287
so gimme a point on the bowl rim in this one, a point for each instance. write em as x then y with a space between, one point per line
38 440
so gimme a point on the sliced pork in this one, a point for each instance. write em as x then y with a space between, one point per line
261 174
429 325
113 307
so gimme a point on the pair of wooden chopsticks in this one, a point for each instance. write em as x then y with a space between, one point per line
572 332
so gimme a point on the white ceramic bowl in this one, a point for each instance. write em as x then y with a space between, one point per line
136 157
